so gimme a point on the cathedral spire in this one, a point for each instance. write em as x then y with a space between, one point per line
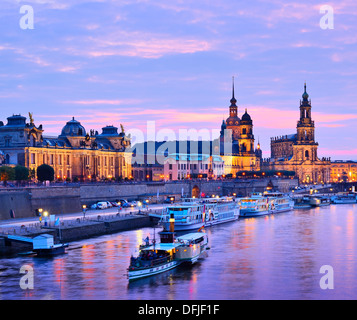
233 100
305 95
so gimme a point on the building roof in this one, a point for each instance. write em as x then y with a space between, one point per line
73 128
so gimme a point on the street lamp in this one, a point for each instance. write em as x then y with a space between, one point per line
84 208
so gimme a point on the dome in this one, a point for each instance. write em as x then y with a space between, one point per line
73 128
232 121
246 116
109 131
16 120
305 95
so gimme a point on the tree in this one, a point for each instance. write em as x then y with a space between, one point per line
7 174
45 173
22 173
32 174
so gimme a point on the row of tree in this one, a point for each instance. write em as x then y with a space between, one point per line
20 173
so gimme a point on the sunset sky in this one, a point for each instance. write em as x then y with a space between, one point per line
108 62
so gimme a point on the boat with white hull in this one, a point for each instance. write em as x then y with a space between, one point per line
254 206
169 254
188 216
220 210
260 204
279 202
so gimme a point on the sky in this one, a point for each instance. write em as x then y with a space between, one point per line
112 62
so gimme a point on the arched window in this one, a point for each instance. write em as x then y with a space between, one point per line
307 154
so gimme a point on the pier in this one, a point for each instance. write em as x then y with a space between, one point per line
19 239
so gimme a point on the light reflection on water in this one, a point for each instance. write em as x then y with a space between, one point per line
272 257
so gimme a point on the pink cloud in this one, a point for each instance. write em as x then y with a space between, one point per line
104 102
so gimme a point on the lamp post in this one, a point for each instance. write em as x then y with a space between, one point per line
45 214
84 208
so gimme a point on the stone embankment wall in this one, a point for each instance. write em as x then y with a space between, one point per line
23 202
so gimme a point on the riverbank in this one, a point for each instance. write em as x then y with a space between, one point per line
18 203
72 230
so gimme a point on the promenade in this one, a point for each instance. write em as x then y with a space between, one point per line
73 227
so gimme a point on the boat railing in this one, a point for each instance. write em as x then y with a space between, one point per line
139 263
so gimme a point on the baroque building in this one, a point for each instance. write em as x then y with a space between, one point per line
343 171
298 152
237 142
73 154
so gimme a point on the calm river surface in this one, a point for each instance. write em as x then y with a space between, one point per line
273 257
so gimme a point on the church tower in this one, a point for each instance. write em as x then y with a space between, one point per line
246 137
233 120
305 145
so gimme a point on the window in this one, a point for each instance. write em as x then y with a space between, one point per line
33 158
51 159
307 154
170 166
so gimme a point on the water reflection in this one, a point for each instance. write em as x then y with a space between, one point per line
272 257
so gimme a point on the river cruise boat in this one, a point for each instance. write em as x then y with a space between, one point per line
220 210
279 202
344 198
188 216
302 203
319 201
255 205
168 254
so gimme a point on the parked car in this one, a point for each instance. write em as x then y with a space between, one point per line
124 203
102 205
93 206
169 199
109 205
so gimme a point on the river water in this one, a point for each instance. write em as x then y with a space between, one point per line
272 257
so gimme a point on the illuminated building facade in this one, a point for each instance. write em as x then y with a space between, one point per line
343 171
74 154
298 152
237 142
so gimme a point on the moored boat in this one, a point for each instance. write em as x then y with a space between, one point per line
188 216
302 203
255 205
168 254
220 210
279 202
344 198
319 201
